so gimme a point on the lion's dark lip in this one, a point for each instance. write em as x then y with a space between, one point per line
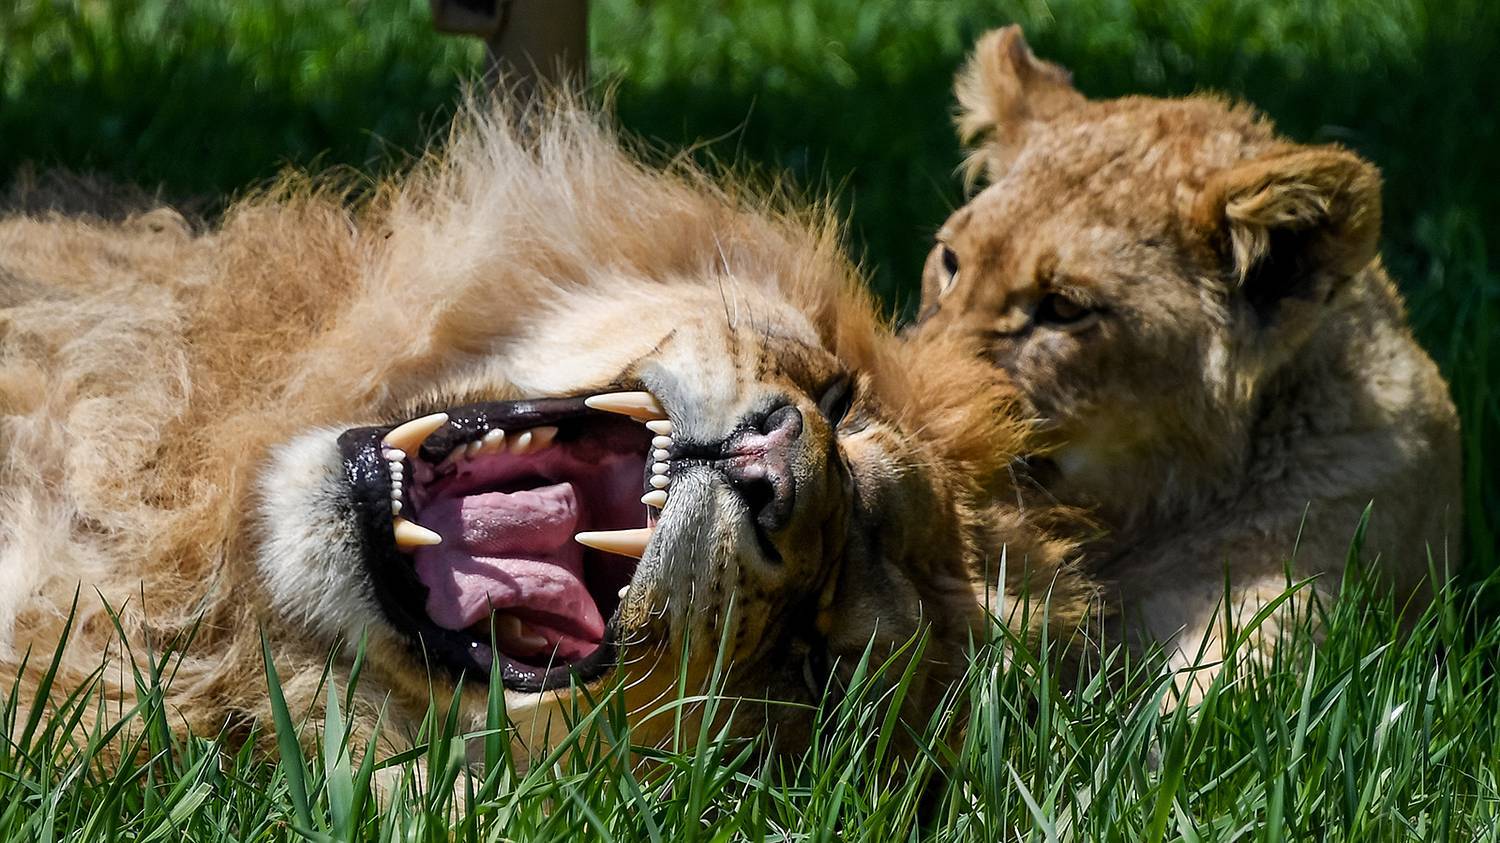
394 582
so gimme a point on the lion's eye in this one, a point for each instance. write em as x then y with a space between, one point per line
836 400
950 268
1058 309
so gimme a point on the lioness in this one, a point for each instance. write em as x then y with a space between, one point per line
1195 310
533 393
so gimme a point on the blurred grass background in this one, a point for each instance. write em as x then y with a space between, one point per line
198 98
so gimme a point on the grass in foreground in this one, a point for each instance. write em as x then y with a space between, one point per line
1372 736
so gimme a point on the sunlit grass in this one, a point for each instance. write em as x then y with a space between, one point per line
1374 735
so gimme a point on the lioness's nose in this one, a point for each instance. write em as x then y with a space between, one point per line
758 463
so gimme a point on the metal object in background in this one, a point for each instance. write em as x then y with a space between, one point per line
531 42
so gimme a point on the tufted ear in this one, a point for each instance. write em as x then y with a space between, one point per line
1293 224
1003 91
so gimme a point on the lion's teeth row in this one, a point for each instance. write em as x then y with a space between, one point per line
661 466
500 442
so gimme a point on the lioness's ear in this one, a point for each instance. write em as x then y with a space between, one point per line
1003 91
1293 224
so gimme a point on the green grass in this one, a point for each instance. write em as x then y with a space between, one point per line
1371 736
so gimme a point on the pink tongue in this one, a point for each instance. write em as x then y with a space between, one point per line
511 552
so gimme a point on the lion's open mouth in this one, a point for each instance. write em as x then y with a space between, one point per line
468 519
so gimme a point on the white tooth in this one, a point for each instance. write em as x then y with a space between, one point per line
661 442
412 534
623 542
408 437
661 426
494 441
655 497
521 443
641 406
395 507
397 470
660 481
660 468
661 455
624 590
472 449
541 437
395 493
393 454
529 640
510 632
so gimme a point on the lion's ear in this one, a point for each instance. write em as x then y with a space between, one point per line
1003 91
1293 224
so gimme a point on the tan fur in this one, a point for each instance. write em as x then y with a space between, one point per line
169 396
1195 310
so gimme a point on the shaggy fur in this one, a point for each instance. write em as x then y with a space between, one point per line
1195 309
169 396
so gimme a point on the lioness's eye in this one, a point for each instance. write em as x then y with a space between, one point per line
1058 309
950 268
836 400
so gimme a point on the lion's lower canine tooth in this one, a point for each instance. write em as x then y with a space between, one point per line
661 426
655 497
409 436
513 634
641 406
624 590
623 542
412 534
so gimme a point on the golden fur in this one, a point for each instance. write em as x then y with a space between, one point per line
169 397
1195 309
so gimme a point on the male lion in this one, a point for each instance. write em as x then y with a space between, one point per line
1194 309
392 418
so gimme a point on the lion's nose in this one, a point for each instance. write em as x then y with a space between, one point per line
758 462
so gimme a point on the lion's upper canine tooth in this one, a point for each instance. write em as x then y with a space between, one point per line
641 406
409 436
655 497
412 534
661 426
623 542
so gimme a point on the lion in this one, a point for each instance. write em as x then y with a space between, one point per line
1194 311
532 409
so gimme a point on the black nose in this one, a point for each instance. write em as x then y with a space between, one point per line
758 462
